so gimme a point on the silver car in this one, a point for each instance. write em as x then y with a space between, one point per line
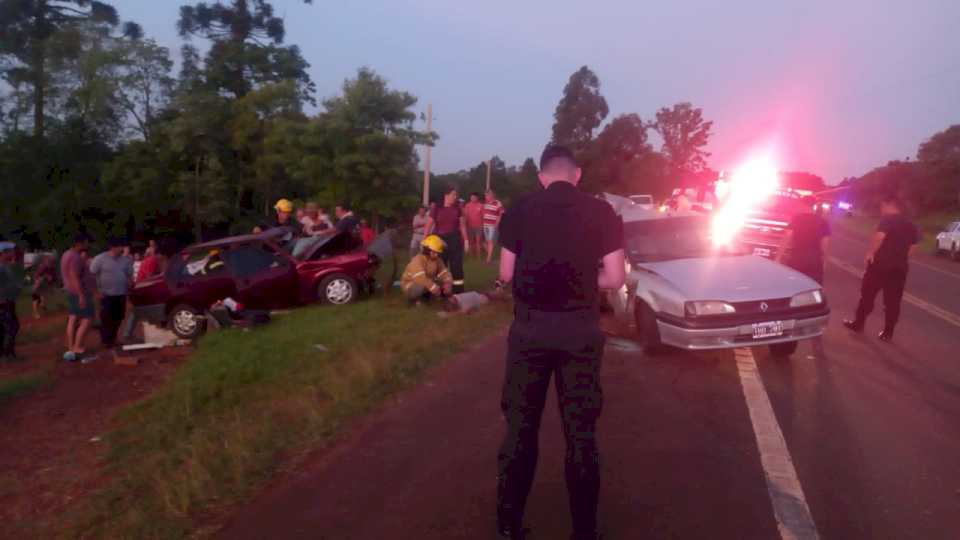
685 292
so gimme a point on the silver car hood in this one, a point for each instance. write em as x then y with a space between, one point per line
732 279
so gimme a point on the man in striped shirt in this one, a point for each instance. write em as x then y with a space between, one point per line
492 214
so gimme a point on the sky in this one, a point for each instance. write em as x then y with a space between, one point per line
826 86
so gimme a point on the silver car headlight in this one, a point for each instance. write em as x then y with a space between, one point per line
806 299
707 308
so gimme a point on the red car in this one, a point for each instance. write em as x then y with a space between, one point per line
262 272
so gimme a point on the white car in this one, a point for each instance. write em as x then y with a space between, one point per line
684 292
948 241
643 201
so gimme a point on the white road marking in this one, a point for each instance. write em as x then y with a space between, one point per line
789 505
936 311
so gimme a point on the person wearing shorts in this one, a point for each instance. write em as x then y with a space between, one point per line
80 306
492 214
473 212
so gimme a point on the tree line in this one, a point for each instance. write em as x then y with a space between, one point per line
929 183
98 134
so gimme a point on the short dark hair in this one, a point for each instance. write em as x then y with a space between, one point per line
450 189
345 205
80 238
555 154
115 242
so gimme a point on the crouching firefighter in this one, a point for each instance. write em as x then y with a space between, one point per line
426 276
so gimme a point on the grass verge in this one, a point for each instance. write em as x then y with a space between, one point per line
930 225
248 402
21 385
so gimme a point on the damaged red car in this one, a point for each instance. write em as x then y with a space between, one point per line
266 271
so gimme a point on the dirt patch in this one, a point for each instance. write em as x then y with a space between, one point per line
52 439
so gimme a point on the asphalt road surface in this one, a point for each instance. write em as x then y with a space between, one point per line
850 438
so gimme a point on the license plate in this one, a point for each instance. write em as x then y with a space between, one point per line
762 252
767 329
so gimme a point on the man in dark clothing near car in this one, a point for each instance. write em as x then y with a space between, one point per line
554 242
450 224
11 285
804 246
887 264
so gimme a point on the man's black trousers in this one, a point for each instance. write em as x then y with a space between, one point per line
9 328
569 347
453 258
889 280
112 311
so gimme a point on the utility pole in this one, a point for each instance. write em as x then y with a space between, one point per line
426 169
488 175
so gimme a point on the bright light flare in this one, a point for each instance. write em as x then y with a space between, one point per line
750 185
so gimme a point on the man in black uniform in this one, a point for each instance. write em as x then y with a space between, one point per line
887 264
553 243
804 247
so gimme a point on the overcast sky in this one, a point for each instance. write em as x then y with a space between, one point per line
835 86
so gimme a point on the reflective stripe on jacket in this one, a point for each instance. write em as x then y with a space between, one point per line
427 272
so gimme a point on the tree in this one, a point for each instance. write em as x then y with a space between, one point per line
246 36
940 156
685 134
145 85
803 180
581 110
29 26
621 141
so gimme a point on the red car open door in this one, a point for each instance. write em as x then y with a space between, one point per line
265 278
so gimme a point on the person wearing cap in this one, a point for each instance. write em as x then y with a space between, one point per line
425 276
114 274
553 243
11 285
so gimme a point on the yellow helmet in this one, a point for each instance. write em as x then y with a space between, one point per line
284 205
434 243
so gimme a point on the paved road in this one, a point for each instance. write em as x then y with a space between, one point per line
871 430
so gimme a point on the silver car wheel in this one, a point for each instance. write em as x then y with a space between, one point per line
184 322
339 291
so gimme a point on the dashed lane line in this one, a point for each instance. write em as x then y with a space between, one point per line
790 509
936 311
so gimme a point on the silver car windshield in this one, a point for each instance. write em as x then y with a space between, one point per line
665 239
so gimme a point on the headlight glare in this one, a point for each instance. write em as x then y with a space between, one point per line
708 308
809 298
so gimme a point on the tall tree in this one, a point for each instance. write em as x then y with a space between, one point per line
30 24
581 110
940 156
621 141
685 135
145 84
246 51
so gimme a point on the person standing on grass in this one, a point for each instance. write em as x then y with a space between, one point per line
492 214
449 223
80 309
367 234
553 243
804 246
11 285
888 261
43 280
114 274
473 213
419 225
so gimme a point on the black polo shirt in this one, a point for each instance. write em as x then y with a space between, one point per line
899 235
560 235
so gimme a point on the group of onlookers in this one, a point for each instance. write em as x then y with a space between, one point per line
311 220
442 235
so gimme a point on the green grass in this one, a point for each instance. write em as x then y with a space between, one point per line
56 302
21 385
249 402
930 225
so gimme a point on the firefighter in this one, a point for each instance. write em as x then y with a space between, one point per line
426 276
